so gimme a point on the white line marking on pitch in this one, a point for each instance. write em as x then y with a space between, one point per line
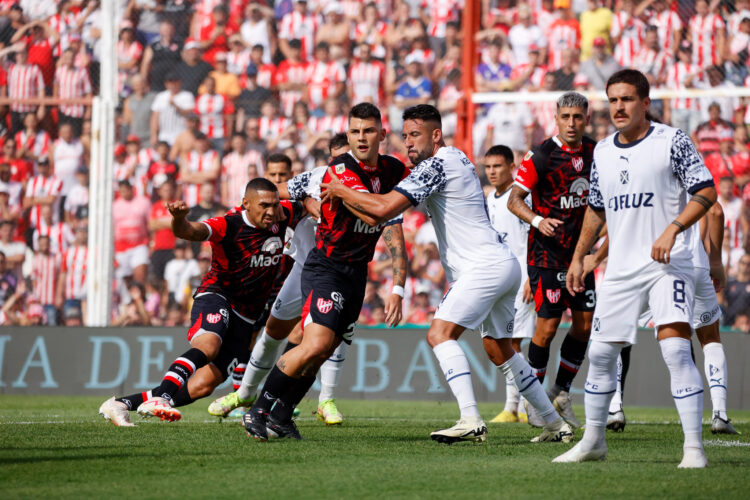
726 444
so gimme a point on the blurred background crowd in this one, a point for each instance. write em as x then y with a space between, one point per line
216 92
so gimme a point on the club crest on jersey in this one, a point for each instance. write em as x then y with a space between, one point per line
340 168
577 163
624 176
554 295
213 318
376 185
275 228
324 306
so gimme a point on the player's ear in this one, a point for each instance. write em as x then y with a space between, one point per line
382 134
437 135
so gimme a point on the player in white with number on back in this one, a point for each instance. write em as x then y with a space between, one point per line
639 184
499 166
445 180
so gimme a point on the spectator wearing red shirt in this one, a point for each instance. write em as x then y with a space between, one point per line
366 77
327 77
215 112
161 165
32 142
726 163
160 226
292 76
266 72
20 169
708 134
40 41
298 25
214 34
72 83
25 81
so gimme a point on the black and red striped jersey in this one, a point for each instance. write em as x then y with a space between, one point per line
246 259
558 179
341 236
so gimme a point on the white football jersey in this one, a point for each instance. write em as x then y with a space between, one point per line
304 184
513 231
642 187
448 185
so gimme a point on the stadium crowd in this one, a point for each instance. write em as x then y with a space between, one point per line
214 93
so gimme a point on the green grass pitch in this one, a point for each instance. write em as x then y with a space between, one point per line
59 447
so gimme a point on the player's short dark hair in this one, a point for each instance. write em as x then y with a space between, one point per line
631 77
424 112
338 141
279 158
261 184
501 150
364 111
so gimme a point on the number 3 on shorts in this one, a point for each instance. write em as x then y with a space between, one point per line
679 292
591 296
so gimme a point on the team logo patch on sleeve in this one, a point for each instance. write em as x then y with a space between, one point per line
213 318
554 295
324 306
528 155
340 168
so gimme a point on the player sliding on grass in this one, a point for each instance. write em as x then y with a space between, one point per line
640 181
446 181
247 248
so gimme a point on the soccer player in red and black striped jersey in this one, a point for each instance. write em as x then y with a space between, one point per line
333 277
556 173
247 247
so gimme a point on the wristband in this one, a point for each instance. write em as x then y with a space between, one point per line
680 225
536 221
398 290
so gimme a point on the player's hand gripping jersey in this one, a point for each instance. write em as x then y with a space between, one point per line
558 179
341 236
246 259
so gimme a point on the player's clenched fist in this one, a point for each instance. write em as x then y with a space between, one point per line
178 209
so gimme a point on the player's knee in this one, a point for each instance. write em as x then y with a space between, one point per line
543 336
208 343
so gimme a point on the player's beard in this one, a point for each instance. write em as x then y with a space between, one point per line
421 156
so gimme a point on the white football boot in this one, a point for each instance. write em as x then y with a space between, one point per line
693 458
159 407
467 429
116 412
557 431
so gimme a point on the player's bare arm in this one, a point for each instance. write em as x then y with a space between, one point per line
378 207
393 236
714 237
697 207
593 222
183 228
520 209
592 261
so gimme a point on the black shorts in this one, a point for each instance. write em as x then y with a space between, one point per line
333 297
211 313
551 297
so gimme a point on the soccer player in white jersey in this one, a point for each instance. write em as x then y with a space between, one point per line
445 180
499 167
639 186
705 243
284 318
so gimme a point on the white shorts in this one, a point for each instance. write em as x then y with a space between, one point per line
129 259
621 304
483 300
706 310
288 304
524 323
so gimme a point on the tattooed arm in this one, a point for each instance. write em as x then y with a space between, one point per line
394 240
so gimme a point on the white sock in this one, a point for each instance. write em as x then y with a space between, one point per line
715 365
524 378
616 402
601 383
260 363
511 396
687 388
456 370
330 372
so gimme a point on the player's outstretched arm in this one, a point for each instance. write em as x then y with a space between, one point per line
520 209
393 236
377 207
183 228
593 222
699 204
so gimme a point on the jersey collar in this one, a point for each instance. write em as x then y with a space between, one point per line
366 168
247 221
566 148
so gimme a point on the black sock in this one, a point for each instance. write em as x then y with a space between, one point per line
572 353
182 397
179 372
277 384
135 400
538 357
625 356
284 408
